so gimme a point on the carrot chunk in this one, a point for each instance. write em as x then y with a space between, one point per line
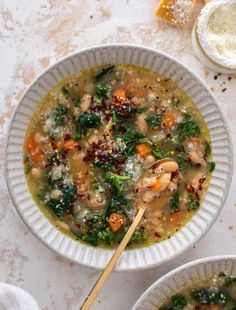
169 120
60 144
175 218
139 93
120 93
31 144
71 144
156 186
35 150
196 140
37 156
143 149
116 221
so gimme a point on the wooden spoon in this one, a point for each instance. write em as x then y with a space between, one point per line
111 264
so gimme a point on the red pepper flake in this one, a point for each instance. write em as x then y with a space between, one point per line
157 234
229 78
223 90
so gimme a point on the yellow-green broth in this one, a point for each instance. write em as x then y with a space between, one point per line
93 126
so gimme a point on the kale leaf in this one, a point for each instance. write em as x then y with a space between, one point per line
65 91
62 207
183 162
193 203
229 281
153 120
103 72
208 296
188 128
159 153
86 120
103 90
59 115
177 302
207 148
116 180
175 202
131 138
118 204
211 166
89 232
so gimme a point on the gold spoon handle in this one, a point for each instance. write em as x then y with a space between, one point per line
110 266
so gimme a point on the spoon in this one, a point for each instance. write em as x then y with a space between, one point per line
142 206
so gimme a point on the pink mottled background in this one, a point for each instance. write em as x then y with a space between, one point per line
35 34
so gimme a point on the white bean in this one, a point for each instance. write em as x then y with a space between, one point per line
196 157
141 123
148 181
148 196
165 181
55 194
172 186
85 102
36 173
169 166
149 160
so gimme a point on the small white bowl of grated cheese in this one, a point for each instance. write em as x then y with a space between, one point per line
214 36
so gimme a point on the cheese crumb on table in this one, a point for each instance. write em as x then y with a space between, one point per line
177 12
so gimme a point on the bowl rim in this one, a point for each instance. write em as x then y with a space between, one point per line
177 271
197 78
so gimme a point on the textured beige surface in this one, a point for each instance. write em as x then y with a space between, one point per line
34 34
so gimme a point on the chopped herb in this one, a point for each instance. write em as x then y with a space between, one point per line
153 120
177 302
103 72
193 203
175 202
211 166
116 180
132 137
86 121
175 103
159 153
65 91
89 231
62 207
77 103
118 204
207 148
210 296
59 115
229 281
125 111
183 162
98 187
141 109
103 90
188 128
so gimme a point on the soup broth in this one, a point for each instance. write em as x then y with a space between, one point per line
92 137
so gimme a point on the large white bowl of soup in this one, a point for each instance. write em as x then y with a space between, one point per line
87 129
205 284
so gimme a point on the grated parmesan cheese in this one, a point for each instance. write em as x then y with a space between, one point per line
177 12
217 31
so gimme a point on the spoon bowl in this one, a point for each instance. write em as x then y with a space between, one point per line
165 166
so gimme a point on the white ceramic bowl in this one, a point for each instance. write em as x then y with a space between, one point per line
136 258
170 283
